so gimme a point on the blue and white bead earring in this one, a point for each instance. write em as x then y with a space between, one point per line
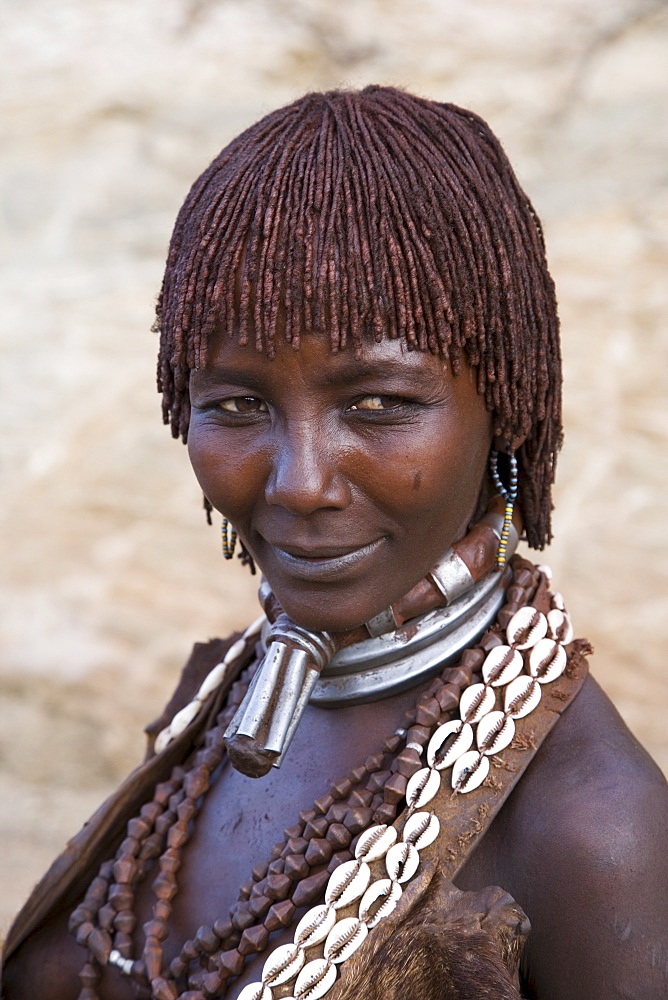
509 494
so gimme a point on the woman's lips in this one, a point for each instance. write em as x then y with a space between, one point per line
324 562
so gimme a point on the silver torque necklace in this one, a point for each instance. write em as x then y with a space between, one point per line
300 666
421 648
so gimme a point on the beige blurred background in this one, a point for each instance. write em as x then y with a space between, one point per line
109 109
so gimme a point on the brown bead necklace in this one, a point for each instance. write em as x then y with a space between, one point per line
299 866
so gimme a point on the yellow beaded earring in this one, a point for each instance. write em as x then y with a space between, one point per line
509 493
228 537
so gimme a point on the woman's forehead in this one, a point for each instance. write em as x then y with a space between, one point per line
315 361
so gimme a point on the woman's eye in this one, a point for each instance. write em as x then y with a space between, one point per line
243 404
377 403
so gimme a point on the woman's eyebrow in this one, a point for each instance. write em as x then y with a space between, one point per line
345 372
211 378
357 371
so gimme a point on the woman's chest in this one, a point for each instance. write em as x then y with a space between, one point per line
258 852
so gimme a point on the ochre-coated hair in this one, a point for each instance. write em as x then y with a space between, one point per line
372 214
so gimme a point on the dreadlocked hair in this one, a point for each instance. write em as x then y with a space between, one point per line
373 214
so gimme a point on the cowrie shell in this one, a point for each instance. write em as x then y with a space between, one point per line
494 733
315 979
547 661
402 862
184 717
463 738
422 787
501 666
315 925
283 964
387 891
559 626
212 680
522 696
477 700
421 830
252 629
375 842
255 991
344 939
347 883
162 740
470 771
526 627
237 648
558 601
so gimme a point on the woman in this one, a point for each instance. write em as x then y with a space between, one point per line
359 343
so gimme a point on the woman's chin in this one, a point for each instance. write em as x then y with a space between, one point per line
317 620
325 614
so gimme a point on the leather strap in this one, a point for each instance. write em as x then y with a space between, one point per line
466 818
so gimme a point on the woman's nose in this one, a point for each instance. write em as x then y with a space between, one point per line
306 475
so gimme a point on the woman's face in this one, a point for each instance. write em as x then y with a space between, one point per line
346 477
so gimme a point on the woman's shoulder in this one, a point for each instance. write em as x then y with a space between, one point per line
40 922
592 781
584 837
203 658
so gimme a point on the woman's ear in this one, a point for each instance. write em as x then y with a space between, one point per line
501 443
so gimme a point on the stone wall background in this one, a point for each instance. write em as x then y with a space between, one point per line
109 109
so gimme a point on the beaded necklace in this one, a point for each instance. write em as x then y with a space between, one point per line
324 838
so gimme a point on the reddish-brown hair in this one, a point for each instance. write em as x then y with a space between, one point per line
373 213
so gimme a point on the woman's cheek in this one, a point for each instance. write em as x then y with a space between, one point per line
439 486
231 470
212 461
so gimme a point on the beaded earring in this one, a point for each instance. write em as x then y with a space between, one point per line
509 493
228 537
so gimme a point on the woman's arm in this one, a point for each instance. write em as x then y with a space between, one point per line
592 861
581 845
600 911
